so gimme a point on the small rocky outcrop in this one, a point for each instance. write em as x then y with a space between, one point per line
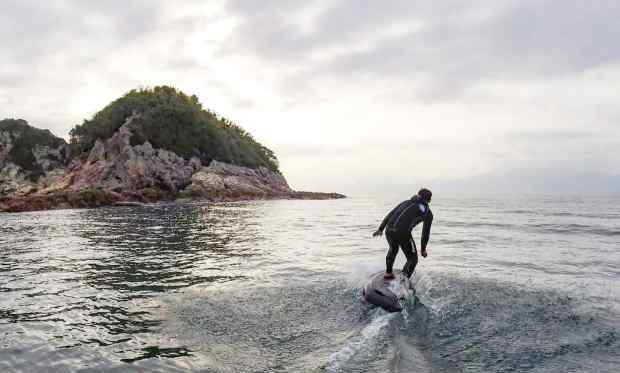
28 157
116 172
224 180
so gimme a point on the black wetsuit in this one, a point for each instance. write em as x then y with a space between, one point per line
398 225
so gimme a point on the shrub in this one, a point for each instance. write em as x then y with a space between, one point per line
169 119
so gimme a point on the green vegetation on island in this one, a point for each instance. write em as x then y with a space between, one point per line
172 120
24 140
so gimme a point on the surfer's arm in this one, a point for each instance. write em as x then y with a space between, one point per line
426 229
384 222
387 218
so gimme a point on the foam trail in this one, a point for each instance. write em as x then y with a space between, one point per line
364 340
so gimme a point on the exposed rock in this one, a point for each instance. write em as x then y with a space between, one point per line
17 180
116 165
59 200
222 181
116 173
226 180
11 178
6 143
49 158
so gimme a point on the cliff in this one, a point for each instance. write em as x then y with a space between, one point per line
28 156
124 168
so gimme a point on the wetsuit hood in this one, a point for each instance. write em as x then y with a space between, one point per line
425 195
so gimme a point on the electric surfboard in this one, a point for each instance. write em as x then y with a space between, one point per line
386 293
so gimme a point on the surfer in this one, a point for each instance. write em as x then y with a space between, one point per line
399 223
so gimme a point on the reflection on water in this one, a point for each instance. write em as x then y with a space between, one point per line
176 248
87 278
274 286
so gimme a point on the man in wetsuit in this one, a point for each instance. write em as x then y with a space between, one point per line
399 223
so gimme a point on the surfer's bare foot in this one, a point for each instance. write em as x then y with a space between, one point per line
388 275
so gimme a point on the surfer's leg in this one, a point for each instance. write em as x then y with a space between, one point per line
411 253
391 254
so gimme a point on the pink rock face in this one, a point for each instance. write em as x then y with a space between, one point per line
117 166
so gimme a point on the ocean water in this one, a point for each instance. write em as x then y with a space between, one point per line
511 284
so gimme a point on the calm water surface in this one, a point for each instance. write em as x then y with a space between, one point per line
527 284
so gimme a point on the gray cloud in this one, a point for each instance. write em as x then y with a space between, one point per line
451 87
537 180
449 47
55 53
33 31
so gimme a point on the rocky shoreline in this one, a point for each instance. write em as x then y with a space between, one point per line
97 198
115 172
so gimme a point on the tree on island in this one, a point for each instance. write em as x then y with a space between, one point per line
169 119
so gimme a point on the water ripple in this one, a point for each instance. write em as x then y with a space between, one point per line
274 286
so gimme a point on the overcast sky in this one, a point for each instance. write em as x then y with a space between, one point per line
354 96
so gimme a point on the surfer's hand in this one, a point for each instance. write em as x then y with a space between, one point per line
378 232
424 253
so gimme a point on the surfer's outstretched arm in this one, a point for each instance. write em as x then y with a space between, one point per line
386 219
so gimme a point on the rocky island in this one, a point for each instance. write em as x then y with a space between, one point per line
149 145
